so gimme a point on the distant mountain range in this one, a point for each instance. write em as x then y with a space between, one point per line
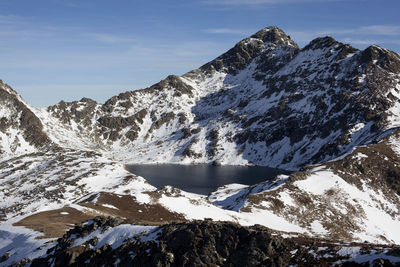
328 111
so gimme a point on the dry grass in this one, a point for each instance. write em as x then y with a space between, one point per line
53 223
133 211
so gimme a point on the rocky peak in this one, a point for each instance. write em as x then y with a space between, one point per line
248 49
321 43
6 87
274 35
173 82
21 131
88 100
387 59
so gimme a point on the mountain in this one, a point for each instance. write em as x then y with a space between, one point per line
328 111
264 102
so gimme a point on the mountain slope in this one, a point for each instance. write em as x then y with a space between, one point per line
21 131
339 199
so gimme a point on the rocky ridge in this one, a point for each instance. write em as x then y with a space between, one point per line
205 243
21 131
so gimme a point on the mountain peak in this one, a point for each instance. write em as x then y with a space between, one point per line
246 50
7 88
387 59
321 42
275 35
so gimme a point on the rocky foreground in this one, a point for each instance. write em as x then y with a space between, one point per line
107 242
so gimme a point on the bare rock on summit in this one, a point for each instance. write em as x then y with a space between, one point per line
245 51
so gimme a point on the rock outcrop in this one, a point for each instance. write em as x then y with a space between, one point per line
207 243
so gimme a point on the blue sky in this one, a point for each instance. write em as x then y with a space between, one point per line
67 49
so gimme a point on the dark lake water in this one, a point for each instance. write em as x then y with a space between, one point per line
202 179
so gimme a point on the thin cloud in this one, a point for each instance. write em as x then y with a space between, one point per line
303 36
363 35
110 38
9 19
14 28
382 30
361 41
371 41
227 31
67 3
261 2
389 30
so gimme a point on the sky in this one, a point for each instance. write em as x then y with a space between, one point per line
53 50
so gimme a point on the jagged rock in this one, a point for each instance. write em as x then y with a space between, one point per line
17 116
207 243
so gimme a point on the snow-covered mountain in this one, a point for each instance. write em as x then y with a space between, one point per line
265 102
328 110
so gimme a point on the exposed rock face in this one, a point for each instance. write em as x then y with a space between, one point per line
207 243
21 131
237 58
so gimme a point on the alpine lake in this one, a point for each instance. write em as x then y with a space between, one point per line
203 178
